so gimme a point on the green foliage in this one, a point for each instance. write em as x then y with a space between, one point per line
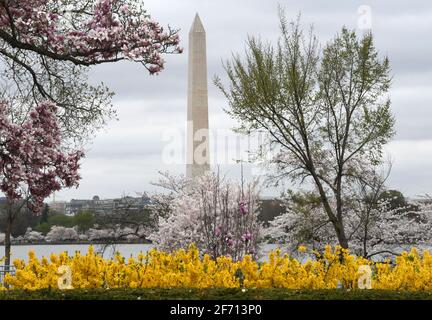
22 221
61 220
43 227
395 199
213 294
302 201
45 213
84 220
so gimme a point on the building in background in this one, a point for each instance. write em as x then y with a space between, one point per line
101 206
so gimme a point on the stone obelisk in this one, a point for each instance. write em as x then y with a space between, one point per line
197 153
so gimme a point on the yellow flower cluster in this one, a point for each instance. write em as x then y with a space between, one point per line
334 268
412 271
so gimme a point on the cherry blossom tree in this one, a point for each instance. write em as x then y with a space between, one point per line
219 216
32 235
59 233
46 47
32 163
389 230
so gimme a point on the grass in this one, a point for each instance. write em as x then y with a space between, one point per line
212 294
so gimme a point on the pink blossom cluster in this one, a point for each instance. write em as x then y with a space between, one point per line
32 164
108 31
243 207
247 236
228 237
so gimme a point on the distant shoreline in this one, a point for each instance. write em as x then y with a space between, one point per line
77 242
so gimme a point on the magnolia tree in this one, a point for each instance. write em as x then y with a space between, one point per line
218 216
32 163
85 32
46 47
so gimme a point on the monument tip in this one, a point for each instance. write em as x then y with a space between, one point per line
197 25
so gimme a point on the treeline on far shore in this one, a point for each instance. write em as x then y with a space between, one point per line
84 227
77 242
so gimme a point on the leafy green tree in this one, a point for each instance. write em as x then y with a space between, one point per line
84 220
45 212
326 112
43 228
394 198
23 220
61 220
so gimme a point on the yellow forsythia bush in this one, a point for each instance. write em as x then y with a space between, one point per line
186 269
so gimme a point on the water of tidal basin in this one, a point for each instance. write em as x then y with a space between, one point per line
126 250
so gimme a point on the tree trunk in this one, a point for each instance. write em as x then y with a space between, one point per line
340 232
339 226
340 229
7 243
335 220
365 242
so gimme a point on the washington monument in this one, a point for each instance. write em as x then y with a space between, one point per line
197 152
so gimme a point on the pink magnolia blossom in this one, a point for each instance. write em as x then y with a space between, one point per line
32 164
218 231
100 31
247 236
243 208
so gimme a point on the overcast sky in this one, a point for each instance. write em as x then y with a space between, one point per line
127 155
